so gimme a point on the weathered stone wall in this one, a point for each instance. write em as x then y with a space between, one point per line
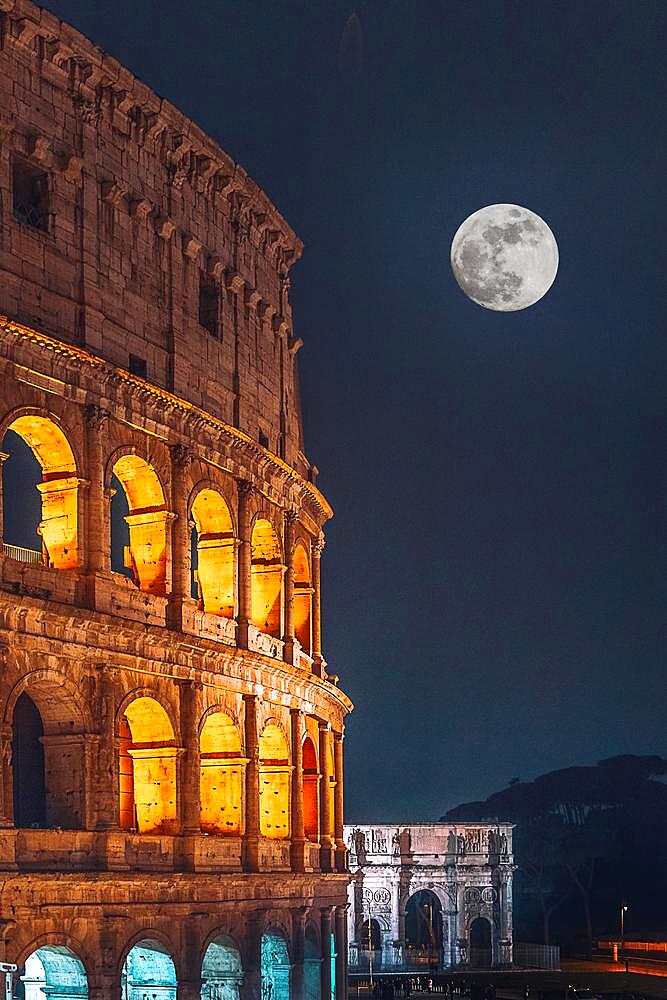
141 207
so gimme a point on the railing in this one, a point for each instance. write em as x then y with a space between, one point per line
33 556
537 956
260 642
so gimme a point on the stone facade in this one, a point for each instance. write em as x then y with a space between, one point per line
171 740
430 896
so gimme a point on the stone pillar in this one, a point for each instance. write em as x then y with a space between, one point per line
341 852
180 549
6 785
251 831
326 840
97 547
325 938
107 791
291 518
245 492
318 664
251 988
298 836
298 952
341 952
3 458
188 785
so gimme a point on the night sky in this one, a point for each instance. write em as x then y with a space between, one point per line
493 575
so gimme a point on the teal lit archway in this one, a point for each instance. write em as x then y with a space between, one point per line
52 971
148 970
311 962
221 970
275 967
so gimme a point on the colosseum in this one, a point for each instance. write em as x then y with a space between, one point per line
171 740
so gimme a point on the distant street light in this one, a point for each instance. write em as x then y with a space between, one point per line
624 910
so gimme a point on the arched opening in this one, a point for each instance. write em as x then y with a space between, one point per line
311 779
214 548
423 929
28 764
48 757
52 971
303 598
139 524
274 775
152 750
266 579
480 943
221 776
311 965
221 971
275 967
369 939
148 972
46 531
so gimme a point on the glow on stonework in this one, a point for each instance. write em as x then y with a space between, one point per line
147 523
221 782
303 598
215 553
266 578
59 488
274 783
153 752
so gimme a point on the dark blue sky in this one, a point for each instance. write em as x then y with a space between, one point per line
494 574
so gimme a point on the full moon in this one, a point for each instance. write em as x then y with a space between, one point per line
504 257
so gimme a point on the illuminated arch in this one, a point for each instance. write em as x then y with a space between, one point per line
153 753
424 926
311 779
480 936
146 554
215 552
221 776
274 783
59 490
148 965
303 598
53 970
266 578
221 970
275 965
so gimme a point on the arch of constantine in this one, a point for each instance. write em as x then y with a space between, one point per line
429 897
171 738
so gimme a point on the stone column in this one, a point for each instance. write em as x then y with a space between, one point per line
251 831
298 837
251 988
325 938
291 518
6 785
180 549
3 458
341 852
107 791
298 952
188 786
245 492
318 664
98 555
326 840
341 952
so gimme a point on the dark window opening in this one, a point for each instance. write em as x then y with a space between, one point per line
28 764
263 439
30 194
209 306
137 366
